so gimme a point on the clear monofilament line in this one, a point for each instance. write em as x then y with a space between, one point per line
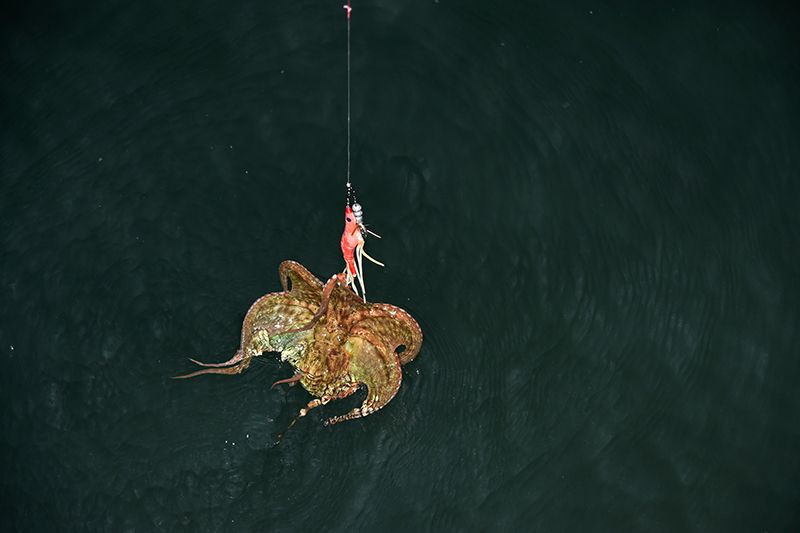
348 94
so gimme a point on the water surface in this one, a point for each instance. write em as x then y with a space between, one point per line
590 209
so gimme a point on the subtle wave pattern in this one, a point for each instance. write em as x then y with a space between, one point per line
590 210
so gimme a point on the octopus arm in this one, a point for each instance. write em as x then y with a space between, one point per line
270 315
376 367
293 308
395 327
299 283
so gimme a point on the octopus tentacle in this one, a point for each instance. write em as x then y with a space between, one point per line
331 284
316 402
238 368
394 325
235 359
305 286
297 377
378 369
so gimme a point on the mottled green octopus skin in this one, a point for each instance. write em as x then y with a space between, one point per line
334 340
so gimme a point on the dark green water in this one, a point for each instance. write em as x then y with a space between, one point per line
591 209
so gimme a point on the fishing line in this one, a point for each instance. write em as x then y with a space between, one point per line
349 10
352 241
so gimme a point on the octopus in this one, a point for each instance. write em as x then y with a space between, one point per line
335 342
